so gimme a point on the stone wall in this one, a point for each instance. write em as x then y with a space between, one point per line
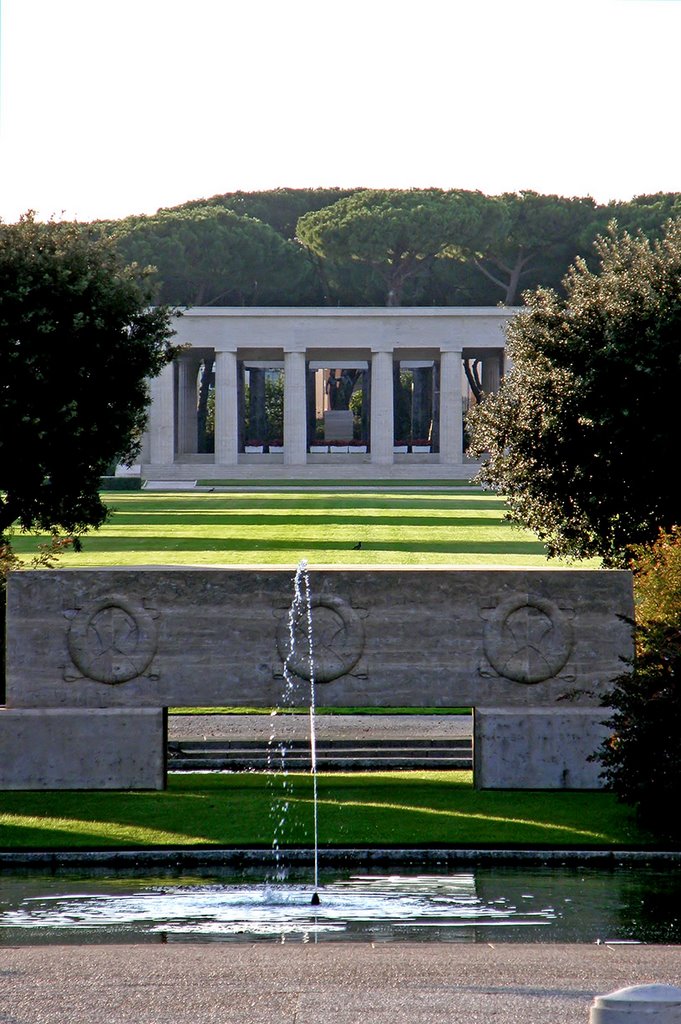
160 637
536 648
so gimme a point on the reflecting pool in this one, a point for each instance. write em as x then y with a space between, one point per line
496 904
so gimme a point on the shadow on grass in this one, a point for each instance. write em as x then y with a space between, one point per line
99 544
401 809
202 520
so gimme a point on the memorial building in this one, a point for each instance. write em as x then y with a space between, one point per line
372 391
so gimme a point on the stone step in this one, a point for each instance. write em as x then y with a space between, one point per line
340 764
463 743
334 755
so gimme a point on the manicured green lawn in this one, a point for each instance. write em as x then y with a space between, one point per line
386 809
394 528
398 527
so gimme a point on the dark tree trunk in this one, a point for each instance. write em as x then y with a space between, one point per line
472 369
206 442
514 280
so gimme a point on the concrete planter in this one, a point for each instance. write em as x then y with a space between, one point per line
420 449
276 449
254 449
338 449
357 449
400 449
319 449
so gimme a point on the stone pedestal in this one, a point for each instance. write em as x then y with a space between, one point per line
537 748
338 425
82 748
638 1004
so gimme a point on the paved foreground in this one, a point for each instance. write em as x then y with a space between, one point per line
325 984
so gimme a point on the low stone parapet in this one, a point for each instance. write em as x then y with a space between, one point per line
537 748
78 748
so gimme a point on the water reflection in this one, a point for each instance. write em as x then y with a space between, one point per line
484 905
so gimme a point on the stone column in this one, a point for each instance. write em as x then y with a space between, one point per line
162 417
451 426
226 418
491 373
382 416
187 425
295 409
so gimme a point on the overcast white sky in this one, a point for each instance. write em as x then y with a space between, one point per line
111 107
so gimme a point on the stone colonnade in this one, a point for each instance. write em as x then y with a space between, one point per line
299 342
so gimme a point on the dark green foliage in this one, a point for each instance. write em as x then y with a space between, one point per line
532 240
78 342
396 235
264 422
245 248
642 758
120 483
581 435
207 255
648 214
281 208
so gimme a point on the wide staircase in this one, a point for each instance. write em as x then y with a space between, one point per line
342 755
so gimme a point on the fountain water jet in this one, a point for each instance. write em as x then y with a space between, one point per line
300 613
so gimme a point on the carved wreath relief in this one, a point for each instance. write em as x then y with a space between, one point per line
527 639
337 640
111 640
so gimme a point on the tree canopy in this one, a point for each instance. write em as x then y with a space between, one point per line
581 437
532 231
280 246
78 342
397 234
281 208
208 255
